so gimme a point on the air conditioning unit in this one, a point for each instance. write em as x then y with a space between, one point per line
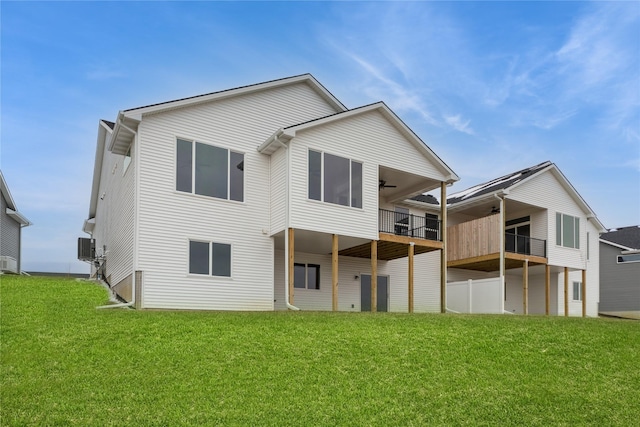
86 249
9 264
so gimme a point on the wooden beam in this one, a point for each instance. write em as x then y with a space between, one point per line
566 291
406 240
290 264
525 287
443 252
374 276
547 288
410 278
334 272
584 293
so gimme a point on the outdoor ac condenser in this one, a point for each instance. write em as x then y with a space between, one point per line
86 249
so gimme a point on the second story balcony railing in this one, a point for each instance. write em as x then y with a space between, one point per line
404 224
525 245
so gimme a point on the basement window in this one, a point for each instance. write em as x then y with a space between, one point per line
577 291
306 276
209 258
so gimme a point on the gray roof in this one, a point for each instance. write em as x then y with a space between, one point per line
108 123
625 236
426 198
497 184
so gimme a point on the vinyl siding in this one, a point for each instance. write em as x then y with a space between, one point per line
368 138
426 283
546 192
9 233
278 189
168 218
115 212
619 285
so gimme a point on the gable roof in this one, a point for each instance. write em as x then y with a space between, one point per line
510 181
12 209
127 121
289 132
495 185
629 237
426 198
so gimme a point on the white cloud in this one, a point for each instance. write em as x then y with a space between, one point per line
458 124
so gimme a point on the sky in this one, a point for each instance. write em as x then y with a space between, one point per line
491 87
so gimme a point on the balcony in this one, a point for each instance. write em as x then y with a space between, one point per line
403 224
475 245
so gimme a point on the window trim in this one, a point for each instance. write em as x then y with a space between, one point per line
210 258
618 257
322 179
560 231
193 173
579 288
306 266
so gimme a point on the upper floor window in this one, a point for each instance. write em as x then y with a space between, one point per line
209 170
567 231
335 179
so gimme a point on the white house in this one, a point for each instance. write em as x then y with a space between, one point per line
265 197
549 235
11 224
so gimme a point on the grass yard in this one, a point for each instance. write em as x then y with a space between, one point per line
66 363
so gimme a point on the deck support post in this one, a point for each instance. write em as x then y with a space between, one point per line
566 291
443 252
547 288
334 273
290 261
525 287
583 292
411 251
374 276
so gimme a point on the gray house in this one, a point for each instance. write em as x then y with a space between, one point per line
620 271
11 224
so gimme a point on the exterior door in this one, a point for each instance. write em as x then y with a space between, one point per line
365 293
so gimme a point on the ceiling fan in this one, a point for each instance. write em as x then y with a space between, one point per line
383 184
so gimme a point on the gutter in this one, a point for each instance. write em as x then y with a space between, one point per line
502 267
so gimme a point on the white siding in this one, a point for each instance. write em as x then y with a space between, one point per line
278 189
115 213
546 192
168 219
426 283
368 138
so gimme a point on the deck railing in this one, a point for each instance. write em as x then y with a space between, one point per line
525 245
404 224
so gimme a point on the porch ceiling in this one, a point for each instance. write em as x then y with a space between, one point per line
392 247
491 262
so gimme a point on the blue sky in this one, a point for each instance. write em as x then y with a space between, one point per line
491 87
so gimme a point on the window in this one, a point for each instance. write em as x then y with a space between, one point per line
432 226
209 171
567 231
577 291
621 259
335 179
306 276
588 252
209 258
402 220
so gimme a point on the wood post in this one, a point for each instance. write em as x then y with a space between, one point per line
566 291
547 288
584 293
443 252
334 272
411 251
290 264
525 287
374 276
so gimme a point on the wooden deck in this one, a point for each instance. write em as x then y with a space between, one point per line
491 262
391 247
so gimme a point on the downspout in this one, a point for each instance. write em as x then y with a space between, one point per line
286 223
133 274
501 250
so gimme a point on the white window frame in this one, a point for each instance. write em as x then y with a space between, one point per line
322 153
579 291
618 257
306 275
210 258
576 236
193 170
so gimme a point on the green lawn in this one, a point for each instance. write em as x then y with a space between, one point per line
66 363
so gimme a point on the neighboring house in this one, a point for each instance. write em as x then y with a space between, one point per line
620 270
549 264
11 224
265 197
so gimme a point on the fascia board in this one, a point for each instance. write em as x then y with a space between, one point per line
477 200
6 193
18 217
615 245
103 131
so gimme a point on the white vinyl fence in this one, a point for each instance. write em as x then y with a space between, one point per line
475 296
